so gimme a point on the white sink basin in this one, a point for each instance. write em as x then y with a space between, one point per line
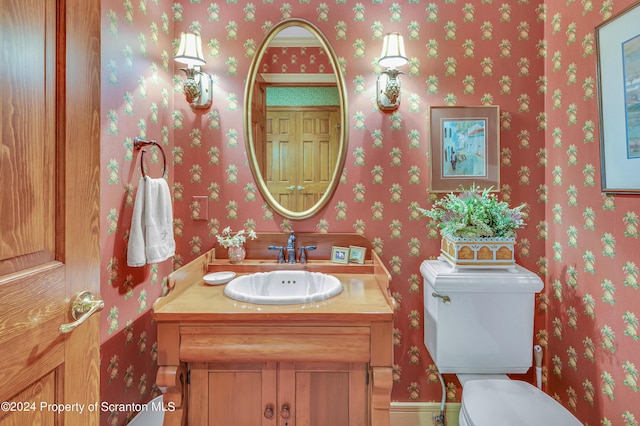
283 287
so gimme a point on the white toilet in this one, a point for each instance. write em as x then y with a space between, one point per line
152 415
478 324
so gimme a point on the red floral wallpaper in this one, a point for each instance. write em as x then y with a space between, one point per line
136 100
591 302
306 60
535 60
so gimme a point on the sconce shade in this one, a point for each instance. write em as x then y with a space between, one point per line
393 54
198 87
190 50
388 83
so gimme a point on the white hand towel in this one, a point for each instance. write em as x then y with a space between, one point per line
151 237
135 251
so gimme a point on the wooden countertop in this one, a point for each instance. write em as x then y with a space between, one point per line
363 298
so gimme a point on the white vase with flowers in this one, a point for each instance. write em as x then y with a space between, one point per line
234 242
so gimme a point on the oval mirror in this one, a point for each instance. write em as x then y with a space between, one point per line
295 119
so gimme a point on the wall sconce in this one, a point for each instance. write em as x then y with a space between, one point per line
198 85
388 83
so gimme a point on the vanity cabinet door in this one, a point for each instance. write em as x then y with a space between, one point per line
238 394
325 393
278 394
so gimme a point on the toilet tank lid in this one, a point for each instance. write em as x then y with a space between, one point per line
443 277
512 402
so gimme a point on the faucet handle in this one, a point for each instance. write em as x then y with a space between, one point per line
303 252
280 252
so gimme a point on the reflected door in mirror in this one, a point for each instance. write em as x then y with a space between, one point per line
301 152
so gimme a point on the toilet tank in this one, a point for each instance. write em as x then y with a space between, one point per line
479 320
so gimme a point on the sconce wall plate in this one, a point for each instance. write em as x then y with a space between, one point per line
206 90
388 90
198 88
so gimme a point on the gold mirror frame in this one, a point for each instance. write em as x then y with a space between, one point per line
342 121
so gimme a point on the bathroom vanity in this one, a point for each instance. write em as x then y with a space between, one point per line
226 362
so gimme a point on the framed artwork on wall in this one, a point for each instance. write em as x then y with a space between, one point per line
465 147
618 48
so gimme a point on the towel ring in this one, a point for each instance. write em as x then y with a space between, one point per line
139 143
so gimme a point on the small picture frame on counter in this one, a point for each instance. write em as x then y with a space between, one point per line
339 254
357 254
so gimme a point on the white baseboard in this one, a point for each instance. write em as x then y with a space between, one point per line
422 413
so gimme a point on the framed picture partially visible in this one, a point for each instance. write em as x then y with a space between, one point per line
465 147
618 48
339 254
357 254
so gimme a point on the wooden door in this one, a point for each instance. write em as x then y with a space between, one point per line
280 168
49 211
317 154
301 155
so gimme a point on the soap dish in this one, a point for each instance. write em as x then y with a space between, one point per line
217 278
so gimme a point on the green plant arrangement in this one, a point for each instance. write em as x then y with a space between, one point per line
228 239
475 213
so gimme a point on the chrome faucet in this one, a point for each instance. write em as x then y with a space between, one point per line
291 248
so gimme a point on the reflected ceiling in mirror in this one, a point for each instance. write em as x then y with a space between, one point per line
295 119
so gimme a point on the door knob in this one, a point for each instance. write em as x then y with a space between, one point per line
83 306
300 188
291 188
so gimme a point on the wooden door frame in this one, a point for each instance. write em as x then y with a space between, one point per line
78 129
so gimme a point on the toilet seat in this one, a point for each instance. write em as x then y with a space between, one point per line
510 402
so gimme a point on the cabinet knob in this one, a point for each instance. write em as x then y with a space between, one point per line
268 411
285 413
